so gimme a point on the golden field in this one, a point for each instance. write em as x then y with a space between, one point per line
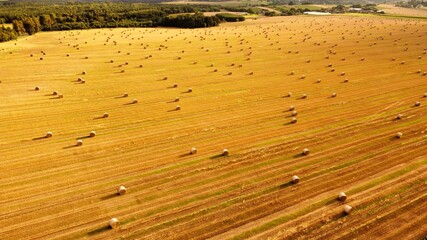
240 75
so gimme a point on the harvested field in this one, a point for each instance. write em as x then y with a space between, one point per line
54 189
401 11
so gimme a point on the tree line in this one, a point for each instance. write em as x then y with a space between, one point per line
30 18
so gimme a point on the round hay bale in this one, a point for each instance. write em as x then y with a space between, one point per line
305 151
215 70
403 62
294 120
425 95
399 135
177 99
175 85
49 134
112 60
135 101
294 113
140 66
190 90
60 96
303 77
424 73
122 71
342 197
332 69
122 190
106 115
342 73
79 142
289 94
41 58
399 116
362 59
225 152
55 93
251 73
330 65
37 88
334 94
292 73
92 134
346 80
295 179
291 108
417 104
125 94
83 81
230 73
178 107
347 209
84 72
419 71
319 81
114 223
193 150
79 79
304 96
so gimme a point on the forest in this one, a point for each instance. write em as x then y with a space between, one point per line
30 18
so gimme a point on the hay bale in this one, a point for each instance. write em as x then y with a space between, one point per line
193 150
295 179
125 94
84 72
304 96
190 90
294 113
106 115
291 108
332 69
399 116
55 93
330 65
334 95
178 107
425 95
417 104
60 96
251 73
49 134
305 151
122 190
303 77
403 62
112 60
79 142
41 58
319 81
135 101
347 209
342 197
294 120
175 85
399 135
92 134
346 80
342 73
289 94
177 99
225 152
114 223
37 88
